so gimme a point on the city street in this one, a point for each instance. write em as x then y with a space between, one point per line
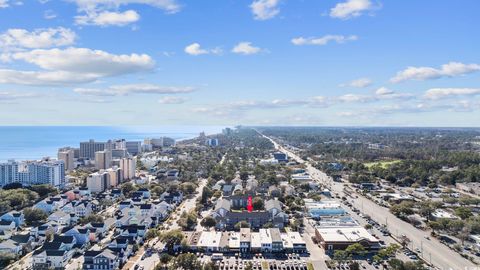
433 251
317 254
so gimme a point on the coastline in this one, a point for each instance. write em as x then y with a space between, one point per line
35 142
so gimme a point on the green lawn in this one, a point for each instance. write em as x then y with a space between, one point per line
384 164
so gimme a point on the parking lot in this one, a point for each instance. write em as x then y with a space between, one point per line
289 264
258 261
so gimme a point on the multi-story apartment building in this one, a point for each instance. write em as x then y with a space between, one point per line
103 159
99 181
8 172
67 156
88 149
116 176
45 171
128 166
133 147
160 142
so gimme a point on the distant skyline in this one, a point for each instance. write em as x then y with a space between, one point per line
245 62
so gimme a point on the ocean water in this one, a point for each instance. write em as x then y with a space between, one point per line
35 142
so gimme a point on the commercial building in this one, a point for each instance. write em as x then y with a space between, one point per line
246 241
280 157
301 177
103 159
293 242
212 142
128 166
339 238
88 149
209 241
324 208
67 155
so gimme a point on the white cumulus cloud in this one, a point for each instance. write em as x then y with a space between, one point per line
196 49
44 78
246 48
36 39
108 18
4 3
382 91
172 100
358 83
127 89
73 66
438 93
88 61
323 40
355 98
350 9
265 9
451 69
170 6
107 13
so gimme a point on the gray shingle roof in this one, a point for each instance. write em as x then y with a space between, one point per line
223 203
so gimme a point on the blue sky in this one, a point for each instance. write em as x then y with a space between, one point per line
226 62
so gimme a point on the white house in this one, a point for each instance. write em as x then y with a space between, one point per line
10 246
60 217
83 208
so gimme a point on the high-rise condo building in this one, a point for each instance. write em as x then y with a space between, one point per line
99 181
67 156
128 166
88 149
8 172
160 142
103 159
119 153
116 176
133 147
46 171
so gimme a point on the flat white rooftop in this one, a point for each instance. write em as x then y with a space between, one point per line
234 240
256 240
209 239
345 234
265 237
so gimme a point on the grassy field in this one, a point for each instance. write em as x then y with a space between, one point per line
384 164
